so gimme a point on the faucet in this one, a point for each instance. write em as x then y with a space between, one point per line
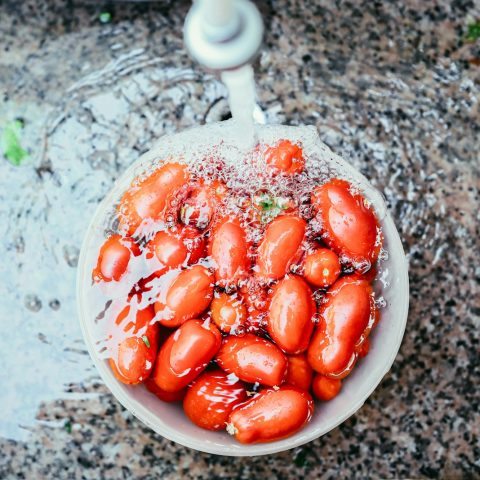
223 34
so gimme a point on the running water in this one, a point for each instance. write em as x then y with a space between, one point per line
241 98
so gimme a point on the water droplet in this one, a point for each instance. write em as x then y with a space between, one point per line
33 303
70 254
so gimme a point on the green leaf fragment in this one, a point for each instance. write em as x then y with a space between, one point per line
68 426
10 142
146 341
105 17
473 31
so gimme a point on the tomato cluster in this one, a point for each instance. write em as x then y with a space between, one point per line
241 329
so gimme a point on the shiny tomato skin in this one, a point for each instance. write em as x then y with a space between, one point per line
347 312
228 248
195 244
280 246
113 258
256 302
185 354
271 415
149 198
229 313
211 398
325 388
285 157
299 373
349 225
137 346
169 249
163 395
253 359
322 268
364 348
291 314
187 297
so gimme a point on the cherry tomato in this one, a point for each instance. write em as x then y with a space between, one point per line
228 248
187 297
186 354
325 388
280 246
285 157
271 415
229 313
349 224
211 398
149 198
137 346
163 395
322 267
253 359
291 314
299 373
344 317
113 258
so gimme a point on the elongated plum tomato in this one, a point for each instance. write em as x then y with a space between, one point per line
187 297
299 373
322 267
228 248
163 395
137 346
173 247
113 258
346 314
280 246
185 354
228 312
325 388
256 302
291 314
285 157
211 398
253 359
149 198
349 225
271 415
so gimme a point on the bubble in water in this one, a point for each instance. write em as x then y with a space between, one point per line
32 303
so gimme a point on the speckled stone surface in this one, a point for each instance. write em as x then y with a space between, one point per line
393 86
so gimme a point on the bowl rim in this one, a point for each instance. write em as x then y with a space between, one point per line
148 418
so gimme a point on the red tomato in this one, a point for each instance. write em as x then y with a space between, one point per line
365 348
271 415
285 157
322 267
137 346
186 354
113 258
299 373
349 225
229 313
211 398
199 208
195 244
280 246
228 248
163 395
187 297
253 359
325 388
291 314
149 198
344 317
168 248
256 302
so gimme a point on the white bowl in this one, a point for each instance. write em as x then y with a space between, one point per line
168 419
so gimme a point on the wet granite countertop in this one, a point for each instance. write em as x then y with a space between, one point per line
393 86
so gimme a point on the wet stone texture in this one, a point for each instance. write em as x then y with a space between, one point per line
393 86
